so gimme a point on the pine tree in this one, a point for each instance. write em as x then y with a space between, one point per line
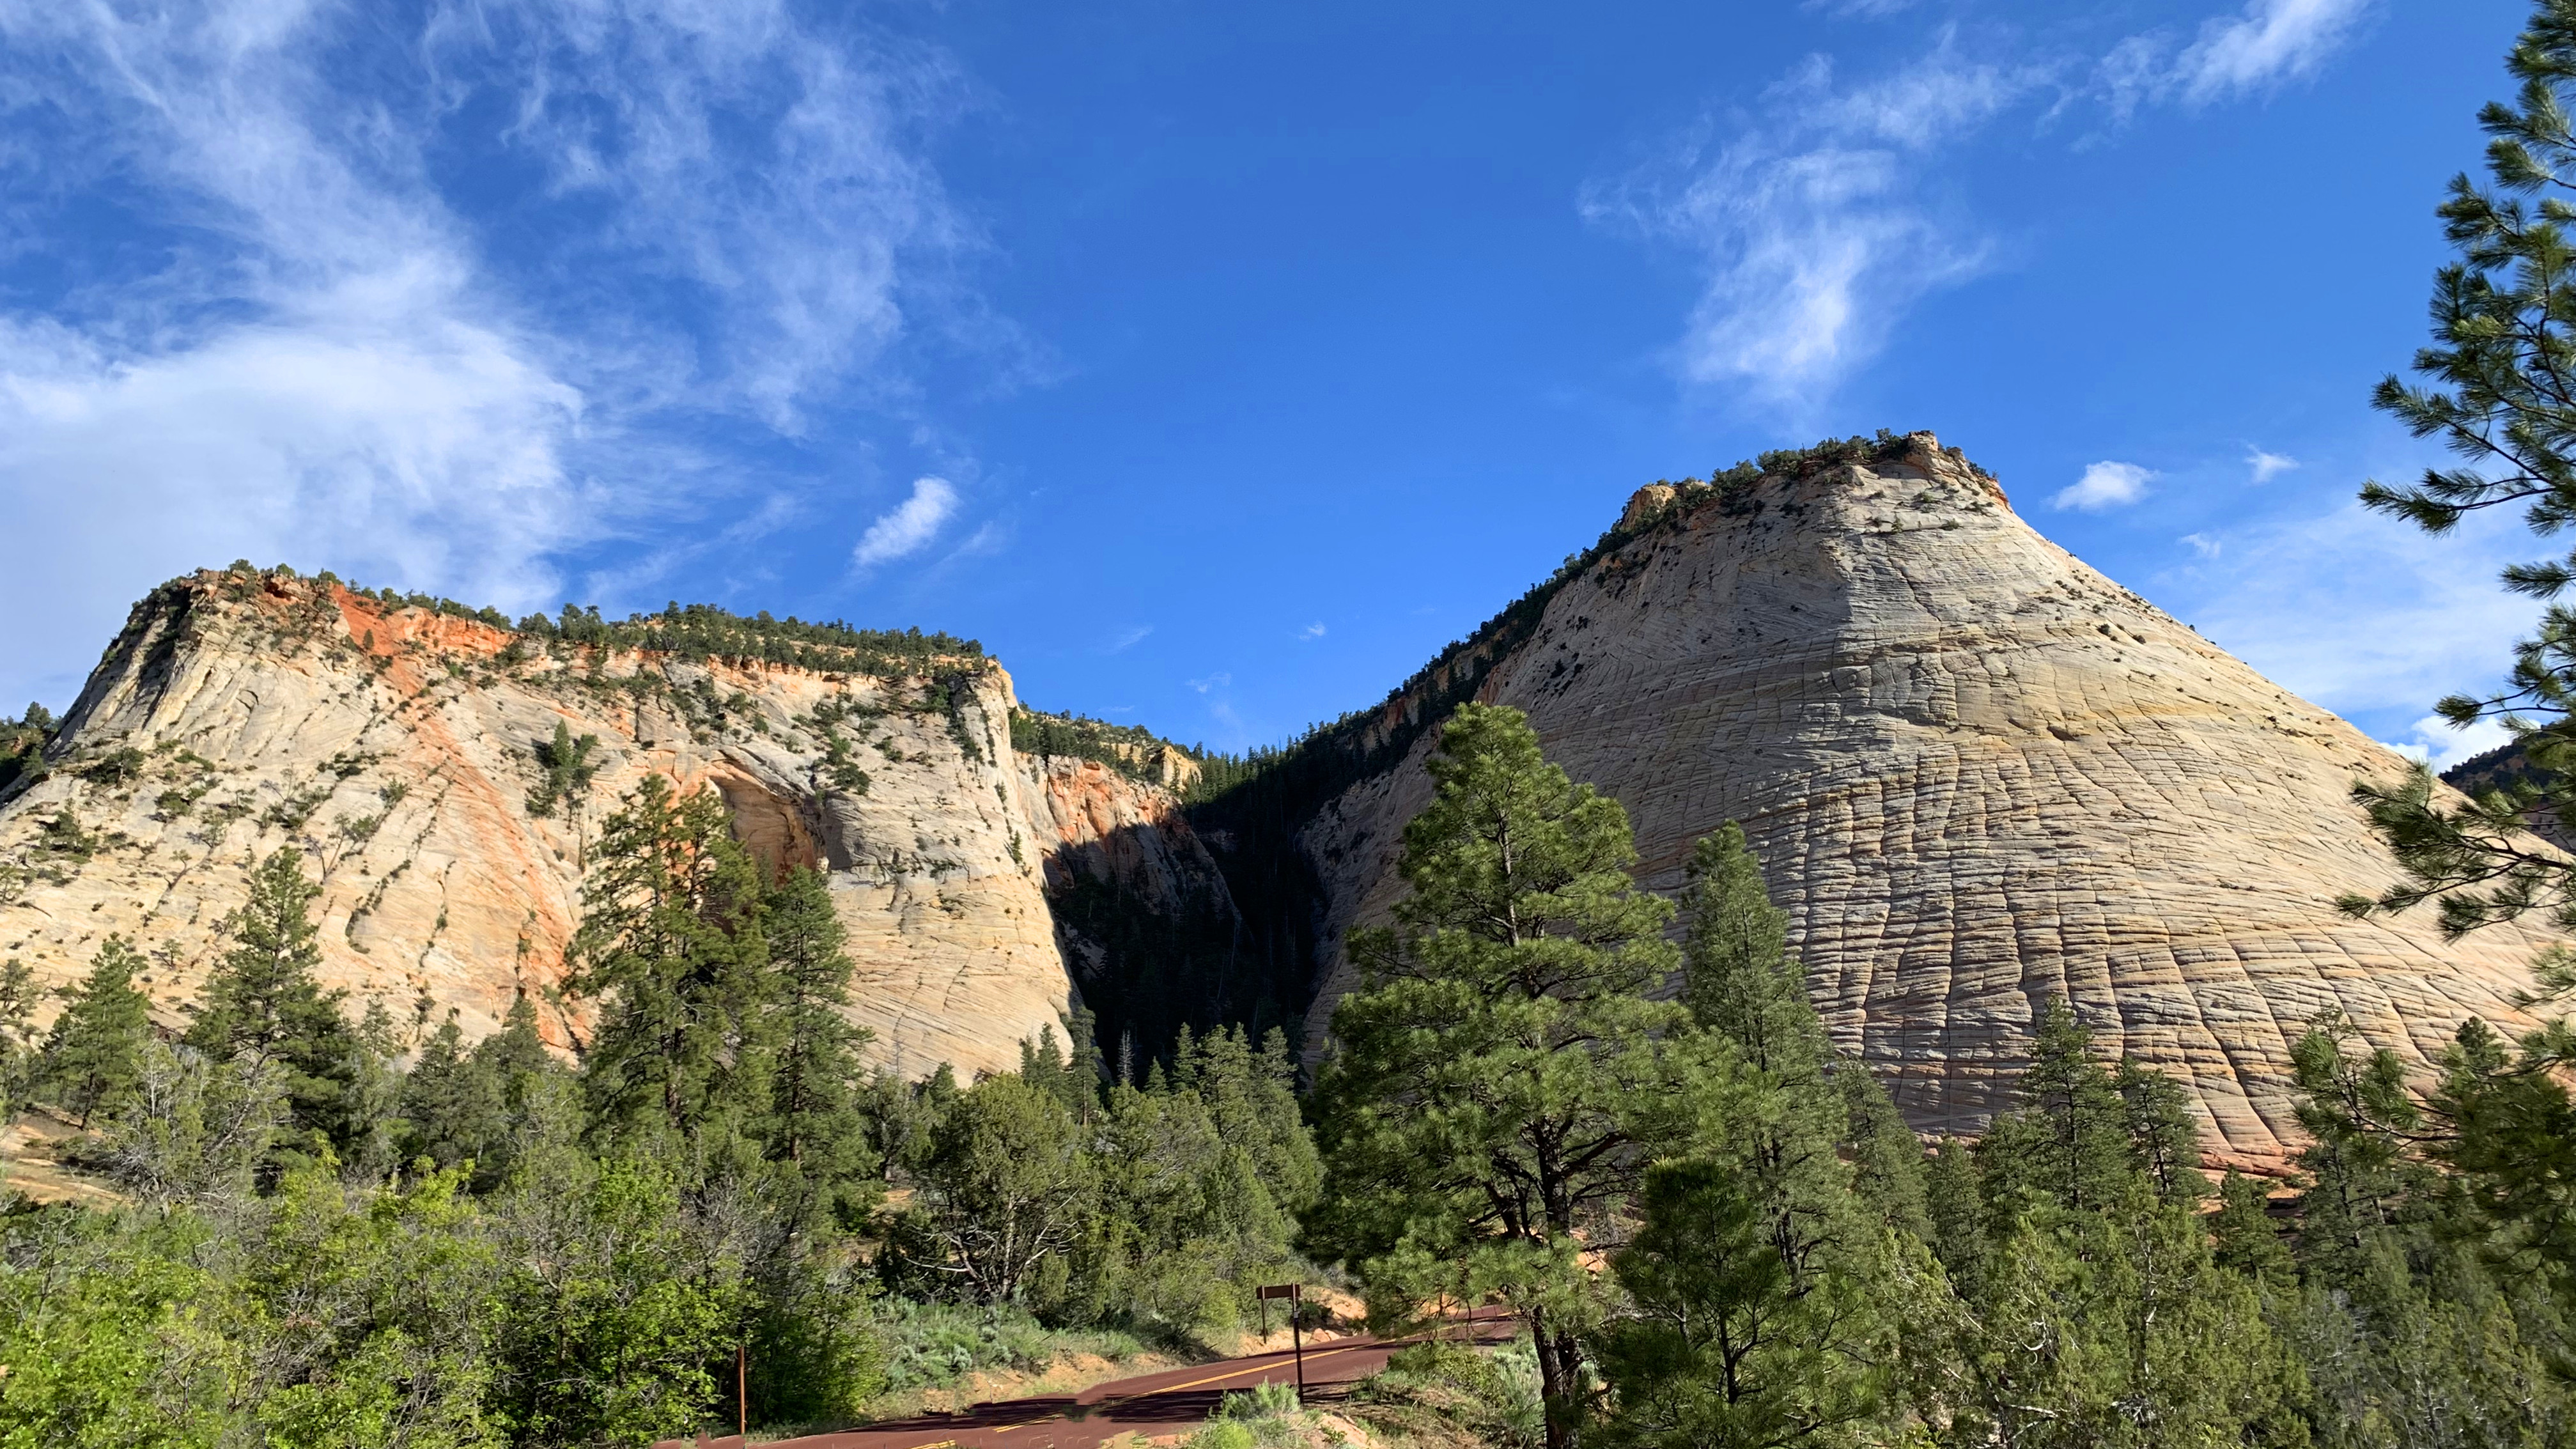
2113 1326
2091 1306
1251 1097
1738 977
450 1100
2164 1141
1045 1065
2069 1141
1741 983
517 1051
262 1008
17 1033
539 1099
1887 1159
2496 389
1501 1079
1726 1349
371 1138
813 1122
1005 1191
670 943
2247 1239
1755 1271
1954 1201
2428 1320
93 1059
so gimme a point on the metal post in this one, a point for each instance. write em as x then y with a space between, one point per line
1297 1338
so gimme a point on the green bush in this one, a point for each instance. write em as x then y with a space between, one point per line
1223 1434
1261 1401
926 1345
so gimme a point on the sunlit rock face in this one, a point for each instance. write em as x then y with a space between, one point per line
1980 775
398 749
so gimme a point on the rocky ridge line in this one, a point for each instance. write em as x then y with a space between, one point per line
404 752
1980 775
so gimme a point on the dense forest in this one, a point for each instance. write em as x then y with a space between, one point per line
347 1229
342 1229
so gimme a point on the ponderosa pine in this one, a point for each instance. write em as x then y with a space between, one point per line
813 1123
1501 1078
670 945
263 1009
92 1060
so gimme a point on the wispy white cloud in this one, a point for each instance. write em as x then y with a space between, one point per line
2267 43
1864 9
311 377
1218 680
762 165
2272 40
1312 631
1813 219
1819 210
2268 466
2201 544
909 526
324 360
2105 485
1128 639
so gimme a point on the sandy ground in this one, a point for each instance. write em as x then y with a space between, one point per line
30 1162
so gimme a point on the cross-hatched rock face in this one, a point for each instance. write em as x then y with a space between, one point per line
1980 775
398 749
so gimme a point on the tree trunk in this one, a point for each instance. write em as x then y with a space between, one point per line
1559 1375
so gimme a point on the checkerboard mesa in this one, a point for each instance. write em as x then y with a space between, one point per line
1980 774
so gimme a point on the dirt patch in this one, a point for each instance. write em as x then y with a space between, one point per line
31 1162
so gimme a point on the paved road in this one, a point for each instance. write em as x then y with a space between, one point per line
1153 1404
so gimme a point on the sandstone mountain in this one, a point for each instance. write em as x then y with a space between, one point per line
1980 775
409 752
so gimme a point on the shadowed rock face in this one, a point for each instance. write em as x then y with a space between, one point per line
1979 775
398 748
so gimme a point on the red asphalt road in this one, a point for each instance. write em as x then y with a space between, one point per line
1149 1405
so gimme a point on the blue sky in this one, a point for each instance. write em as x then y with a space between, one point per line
1214 365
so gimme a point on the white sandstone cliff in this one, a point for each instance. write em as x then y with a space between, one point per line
397 748
1979 775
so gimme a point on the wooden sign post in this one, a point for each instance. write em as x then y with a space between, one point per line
1295 1294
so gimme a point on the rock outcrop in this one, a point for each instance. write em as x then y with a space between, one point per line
1980 775
402 750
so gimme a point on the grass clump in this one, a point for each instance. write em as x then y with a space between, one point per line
1449 1393
930 1345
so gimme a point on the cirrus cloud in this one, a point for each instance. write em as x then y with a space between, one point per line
1813 219
447 328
